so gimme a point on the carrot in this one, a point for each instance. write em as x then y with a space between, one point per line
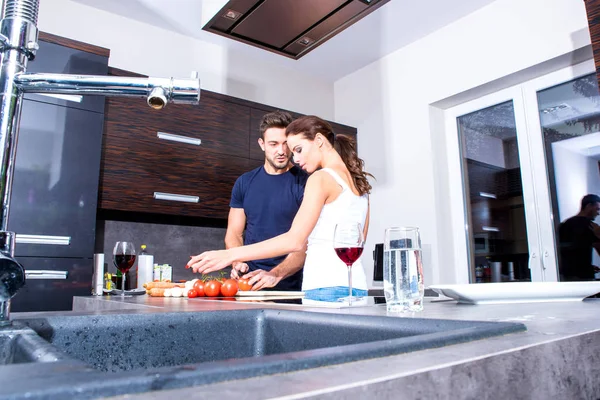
157 292
163 285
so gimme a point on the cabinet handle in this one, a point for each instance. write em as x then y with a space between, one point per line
176 197
490 229
488 195
45 274
43 239
178 138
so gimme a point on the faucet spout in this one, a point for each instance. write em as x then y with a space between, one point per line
12 275
12 278
157 91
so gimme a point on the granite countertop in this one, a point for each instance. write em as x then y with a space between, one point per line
561 338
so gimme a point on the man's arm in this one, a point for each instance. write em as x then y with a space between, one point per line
261 279
234 237
367 220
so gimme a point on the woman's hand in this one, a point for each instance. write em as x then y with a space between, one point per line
210 261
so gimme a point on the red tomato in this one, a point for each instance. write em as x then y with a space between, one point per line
212 288
199 287
244 285
192 293
229 288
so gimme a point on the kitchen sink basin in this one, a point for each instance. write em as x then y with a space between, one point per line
20 345
129 353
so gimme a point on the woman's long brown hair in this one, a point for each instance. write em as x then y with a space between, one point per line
310 125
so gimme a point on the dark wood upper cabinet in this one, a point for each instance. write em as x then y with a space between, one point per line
74 44
133 174
138 161
140 157
593 15
215 126
288 27
256 152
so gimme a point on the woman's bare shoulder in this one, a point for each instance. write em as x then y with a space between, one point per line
320 178
318 175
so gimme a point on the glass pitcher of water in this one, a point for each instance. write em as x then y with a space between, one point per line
403 269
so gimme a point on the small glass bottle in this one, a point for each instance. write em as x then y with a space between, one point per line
479 274
118 279
108 282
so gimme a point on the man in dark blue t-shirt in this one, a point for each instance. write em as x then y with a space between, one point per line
263 205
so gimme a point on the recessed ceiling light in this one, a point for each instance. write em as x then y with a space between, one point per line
554 109
232 14
305 41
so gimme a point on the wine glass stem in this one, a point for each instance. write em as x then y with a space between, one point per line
350 284
123 286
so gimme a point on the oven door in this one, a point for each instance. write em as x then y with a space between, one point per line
481 243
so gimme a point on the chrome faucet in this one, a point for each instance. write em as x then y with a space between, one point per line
18 45
12 275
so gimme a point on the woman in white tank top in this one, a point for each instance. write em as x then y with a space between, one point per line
336 191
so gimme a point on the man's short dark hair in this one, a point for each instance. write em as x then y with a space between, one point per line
589 199
275 119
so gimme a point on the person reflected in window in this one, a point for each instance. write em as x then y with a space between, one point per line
578 236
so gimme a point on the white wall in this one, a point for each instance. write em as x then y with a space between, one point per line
399 136
153 51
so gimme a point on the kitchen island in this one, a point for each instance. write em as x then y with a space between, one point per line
557 357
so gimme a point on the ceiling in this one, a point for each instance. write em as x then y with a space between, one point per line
586 145
391 27
497 121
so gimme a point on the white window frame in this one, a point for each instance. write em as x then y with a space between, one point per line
536 193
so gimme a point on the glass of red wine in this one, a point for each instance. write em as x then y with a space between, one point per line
124 258
348 242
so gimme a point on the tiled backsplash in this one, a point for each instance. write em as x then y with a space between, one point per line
169 244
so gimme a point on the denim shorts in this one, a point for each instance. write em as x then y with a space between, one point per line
332 293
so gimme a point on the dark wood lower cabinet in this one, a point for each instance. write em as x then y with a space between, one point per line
132 187
53 294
